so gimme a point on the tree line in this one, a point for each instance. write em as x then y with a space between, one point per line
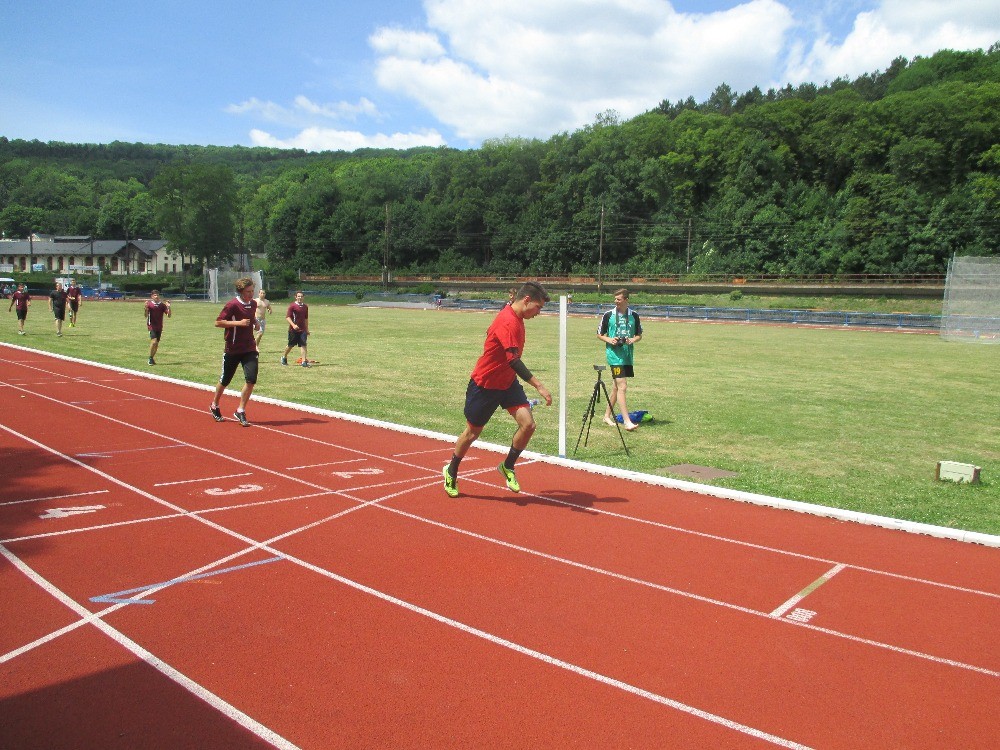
892 172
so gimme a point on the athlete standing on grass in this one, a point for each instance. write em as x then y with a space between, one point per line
238 318
74 295
22 299
494 383
263 308
298 328
57 306
155 310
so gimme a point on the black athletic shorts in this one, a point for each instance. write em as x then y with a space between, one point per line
21 314
297 338
231 361
154 334
59 313
481 403
622 371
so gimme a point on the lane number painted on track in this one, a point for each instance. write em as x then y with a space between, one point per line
67 512
368 472
237 490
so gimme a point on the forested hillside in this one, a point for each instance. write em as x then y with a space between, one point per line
891 173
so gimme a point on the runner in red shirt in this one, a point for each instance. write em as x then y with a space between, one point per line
22 300
155 310
494 384
239 321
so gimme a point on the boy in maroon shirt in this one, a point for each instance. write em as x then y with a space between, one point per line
155 310
298 328
239 321
494 383
22 299
74 295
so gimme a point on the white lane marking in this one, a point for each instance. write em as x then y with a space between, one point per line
109 454
780 611
328 463
220 705
68 512
53 497
202 479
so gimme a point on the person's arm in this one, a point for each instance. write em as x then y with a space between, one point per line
602 331
638 332
525 374
168 307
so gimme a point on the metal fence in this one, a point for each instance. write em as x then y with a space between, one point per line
741 315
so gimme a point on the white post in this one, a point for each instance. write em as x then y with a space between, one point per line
562 376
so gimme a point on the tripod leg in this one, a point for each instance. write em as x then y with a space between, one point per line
608 399
588 417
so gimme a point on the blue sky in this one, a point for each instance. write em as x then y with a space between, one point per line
400 73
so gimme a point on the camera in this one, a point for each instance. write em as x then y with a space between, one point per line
600 368
621 341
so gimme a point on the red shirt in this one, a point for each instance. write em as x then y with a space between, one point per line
154 315
504 343
239 340
73 293
20 300
299 315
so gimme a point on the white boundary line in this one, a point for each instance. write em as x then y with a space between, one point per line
868 519
251 724
220 705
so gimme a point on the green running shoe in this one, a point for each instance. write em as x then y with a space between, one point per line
450 483
511 480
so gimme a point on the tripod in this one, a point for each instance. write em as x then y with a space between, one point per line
588 415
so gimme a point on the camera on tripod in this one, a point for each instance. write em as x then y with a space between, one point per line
600 368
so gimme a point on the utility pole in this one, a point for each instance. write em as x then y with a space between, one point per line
689 246
600 254
385 251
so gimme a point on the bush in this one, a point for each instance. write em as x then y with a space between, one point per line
735 295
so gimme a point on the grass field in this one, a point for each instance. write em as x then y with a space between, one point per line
854 419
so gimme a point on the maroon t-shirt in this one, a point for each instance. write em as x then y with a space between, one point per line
73 293
20 300
299 315
239 340
154 315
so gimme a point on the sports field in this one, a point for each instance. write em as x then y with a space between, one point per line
844 418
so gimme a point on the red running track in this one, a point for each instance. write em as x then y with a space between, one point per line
168 581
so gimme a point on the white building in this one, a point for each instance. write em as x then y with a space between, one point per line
60 254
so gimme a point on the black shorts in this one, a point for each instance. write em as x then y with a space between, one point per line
481 403
22 314
74 305
622 371
154 334
231 361
297 338
59 313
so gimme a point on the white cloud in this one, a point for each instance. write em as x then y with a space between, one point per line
894 28
304 111
521 67
328 139
488 68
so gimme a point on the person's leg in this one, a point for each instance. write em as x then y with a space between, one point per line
154 344
622 387
609 416
245 396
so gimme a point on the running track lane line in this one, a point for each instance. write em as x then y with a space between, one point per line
223 707
393 460
838 634
96 619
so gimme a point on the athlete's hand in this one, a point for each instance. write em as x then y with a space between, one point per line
544 393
